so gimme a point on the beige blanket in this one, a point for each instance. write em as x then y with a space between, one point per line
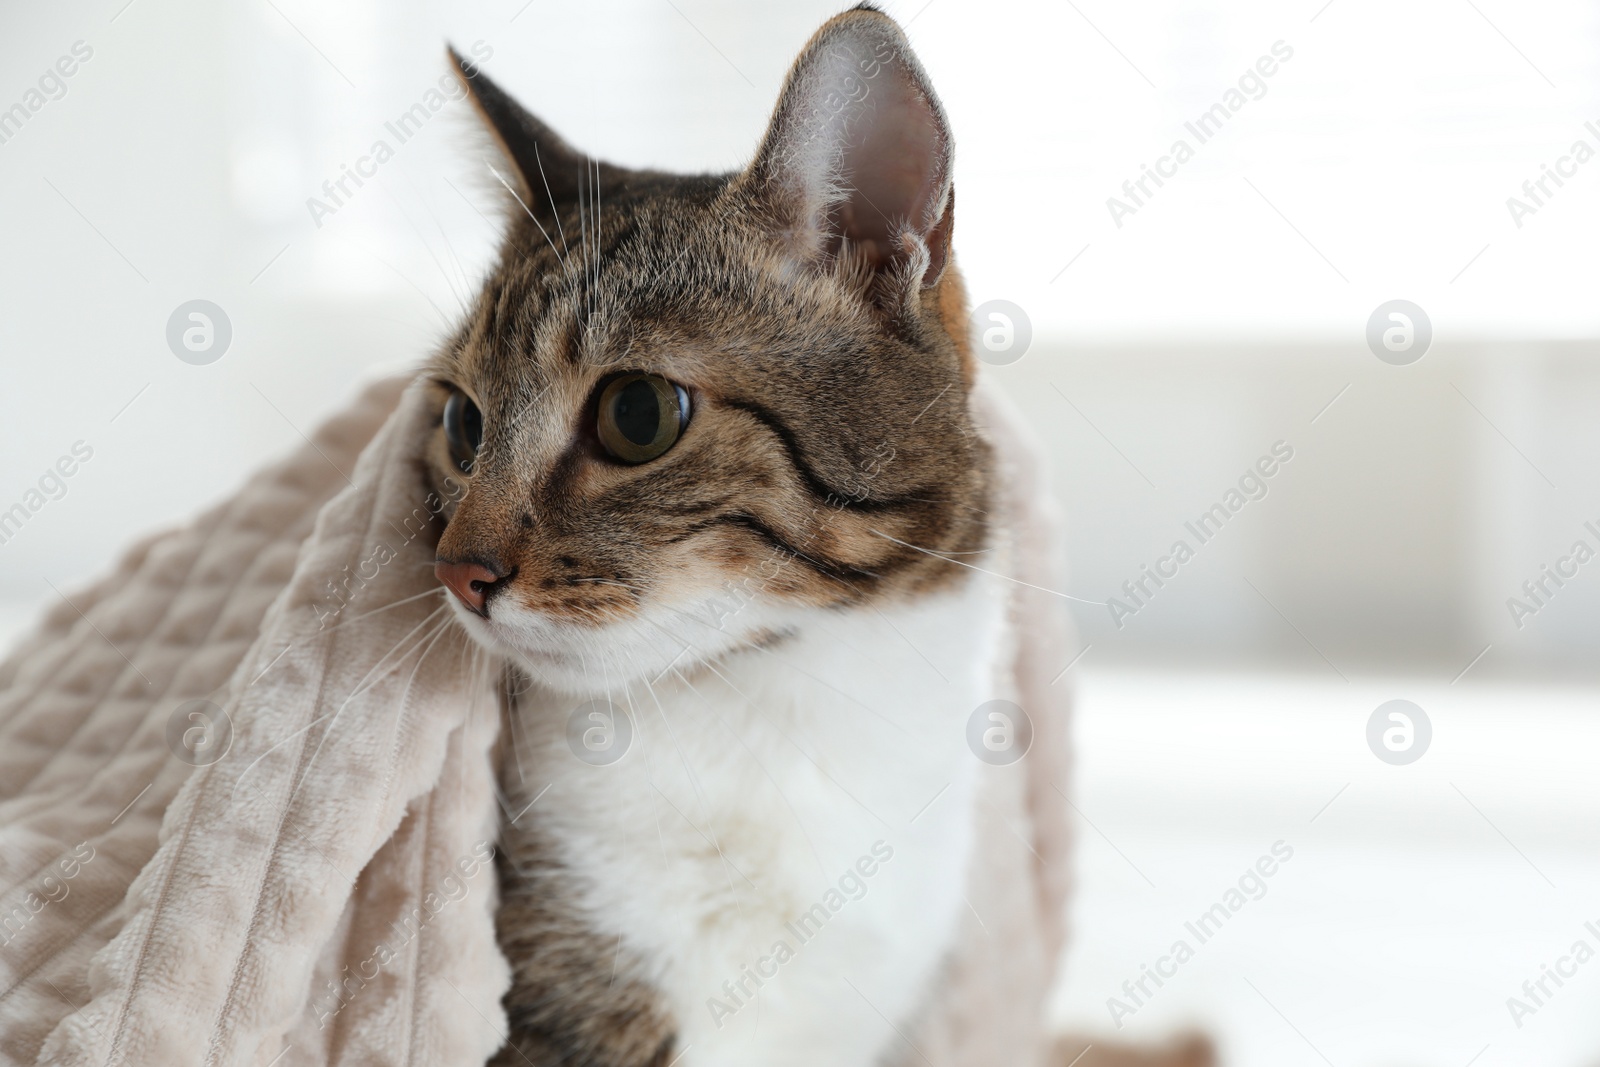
247 801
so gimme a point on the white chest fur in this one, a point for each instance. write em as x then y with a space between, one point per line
785 843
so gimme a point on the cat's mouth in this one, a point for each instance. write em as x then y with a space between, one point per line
588 659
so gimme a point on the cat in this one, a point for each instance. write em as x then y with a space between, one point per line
720 456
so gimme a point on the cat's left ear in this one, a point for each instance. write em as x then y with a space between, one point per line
547 173
858 155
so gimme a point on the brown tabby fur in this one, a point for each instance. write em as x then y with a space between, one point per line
829 366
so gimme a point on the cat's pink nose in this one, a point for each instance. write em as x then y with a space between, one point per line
471 581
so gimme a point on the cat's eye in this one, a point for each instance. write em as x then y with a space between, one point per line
640 416
463 430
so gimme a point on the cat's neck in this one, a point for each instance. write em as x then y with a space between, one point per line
752 786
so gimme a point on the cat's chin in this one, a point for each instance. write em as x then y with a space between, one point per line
587 661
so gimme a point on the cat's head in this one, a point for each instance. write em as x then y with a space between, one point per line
694 410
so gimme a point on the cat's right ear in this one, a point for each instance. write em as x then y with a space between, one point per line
857 160
546 172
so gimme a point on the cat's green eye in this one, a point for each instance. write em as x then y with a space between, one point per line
640 416
463 430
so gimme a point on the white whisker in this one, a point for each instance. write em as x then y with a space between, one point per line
981 570
373 677
379 610
555 209
531 215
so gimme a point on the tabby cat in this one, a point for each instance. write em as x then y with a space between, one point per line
720 456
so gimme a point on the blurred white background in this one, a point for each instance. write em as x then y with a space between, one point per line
1226 314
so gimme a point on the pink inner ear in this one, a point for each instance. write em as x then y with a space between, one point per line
858 152
892 169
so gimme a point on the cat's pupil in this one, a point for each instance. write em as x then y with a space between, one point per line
637 411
